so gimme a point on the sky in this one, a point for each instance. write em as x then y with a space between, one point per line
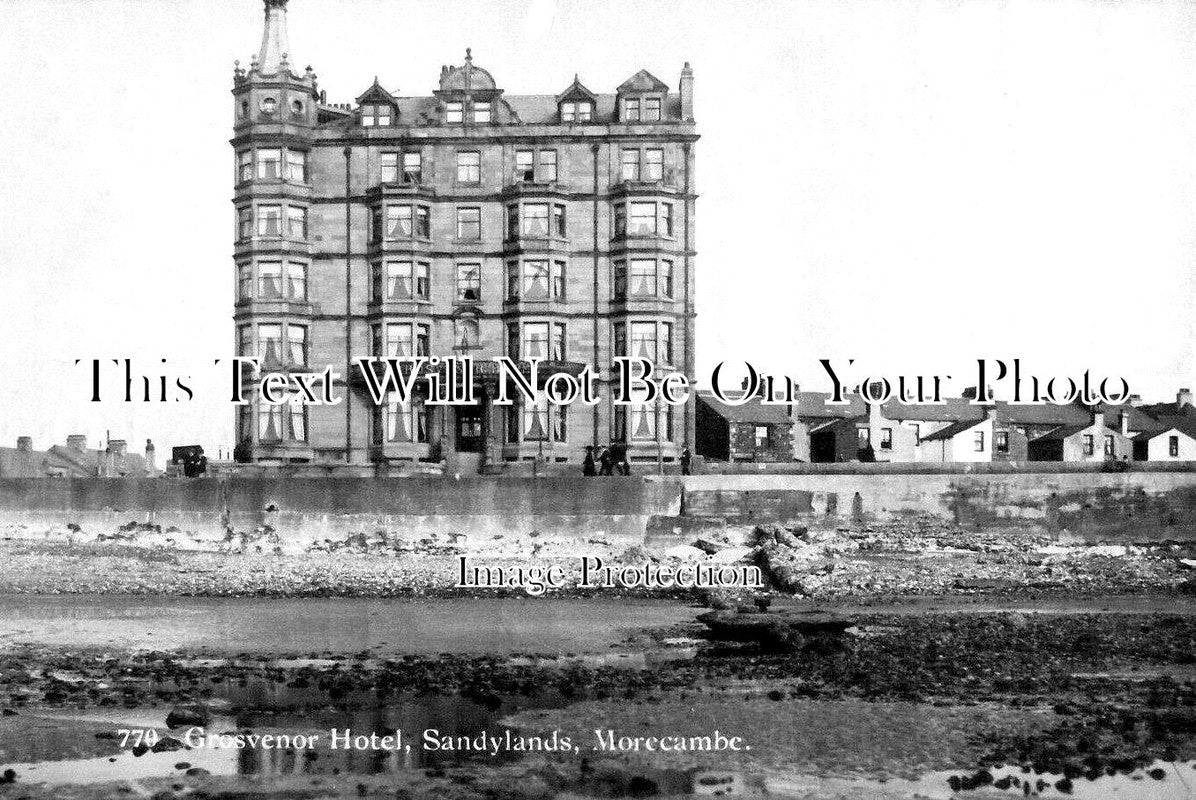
912 184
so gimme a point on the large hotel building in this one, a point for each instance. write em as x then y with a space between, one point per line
464 222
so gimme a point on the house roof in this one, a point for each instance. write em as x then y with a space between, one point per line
752 411
1146 436
1169 415
815 405
376 94
1062 432
952 430
1139 419
952 409
1043 414
576 91
643 81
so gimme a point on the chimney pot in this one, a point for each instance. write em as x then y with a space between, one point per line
1183 398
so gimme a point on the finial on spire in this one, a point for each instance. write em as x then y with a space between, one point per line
273 55
468 55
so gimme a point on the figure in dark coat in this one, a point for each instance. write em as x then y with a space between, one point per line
606 462
686 460
587 464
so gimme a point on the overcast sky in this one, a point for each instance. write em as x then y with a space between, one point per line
910 184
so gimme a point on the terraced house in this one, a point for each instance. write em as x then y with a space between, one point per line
462 221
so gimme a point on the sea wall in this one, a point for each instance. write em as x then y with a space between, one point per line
1150 505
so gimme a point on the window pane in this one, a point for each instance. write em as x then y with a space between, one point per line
269 221
584 111
453 112
398 280
469 282
524 165
643 218
269 163
535 340
297 223
390 167
469 167
535 280
631 165
296 280
469 223
398 222
297 341
652 109
413 165
481 112
547 166
270 280
535 219
654 165
297 166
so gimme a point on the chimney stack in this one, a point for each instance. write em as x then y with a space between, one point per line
686 90
150 458
25 444
1125 423
118 447
76 442
1098 419
1183 398
1135 400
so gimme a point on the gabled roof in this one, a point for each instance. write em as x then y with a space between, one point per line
1044 414
1061 433
952 430
576 91
952 409
642 81
1139 419
1146 436
815 405
752 411
376 94
1170 415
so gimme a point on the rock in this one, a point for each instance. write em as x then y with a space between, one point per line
708 547
188 714
1188 563
684 552
197 772
168 744
8 712
730 555
788 539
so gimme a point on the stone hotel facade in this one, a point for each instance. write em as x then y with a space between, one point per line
461 222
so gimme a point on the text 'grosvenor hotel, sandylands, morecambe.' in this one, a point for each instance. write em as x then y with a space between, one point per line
461 222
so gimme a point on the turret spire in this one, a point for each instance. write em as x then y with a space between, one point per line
273 55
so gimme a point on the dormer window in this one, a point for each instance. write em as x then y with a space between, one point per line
651 109
582 111
376 115
454 112
631 110
481 113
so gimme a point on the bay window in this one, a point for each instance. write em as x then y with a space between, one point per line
403 422
535 219
643 219
558 220
245 166
297 166
402 280
296 285
244 281
297 344
244 223
269 343
297 223
535 341
285 421
401 339
269 220
535 280
269 164
398 222
269 286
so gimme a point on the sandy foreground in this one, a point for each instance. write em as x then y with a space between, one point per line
969 665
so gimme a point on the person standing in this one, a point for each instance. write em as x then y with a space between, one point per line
686 460
587 464
606 462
